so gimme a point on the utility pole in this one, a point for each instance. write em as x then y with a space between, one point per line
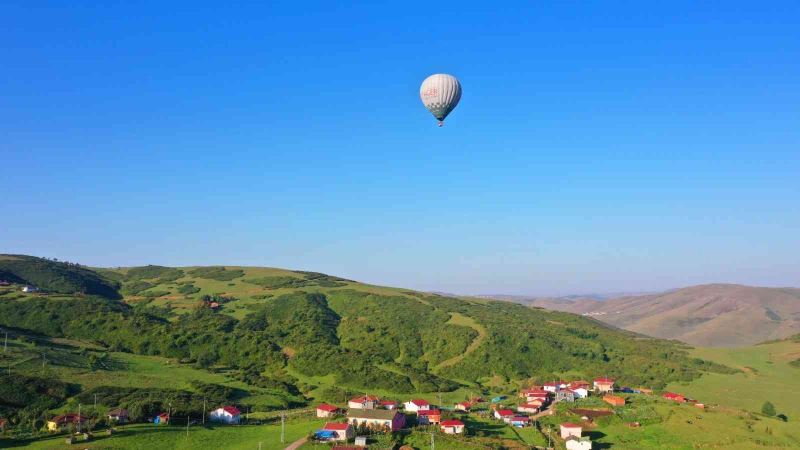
204 411
283 425
95 402
169 413
259 446
79 418
5 344
44 359
433 442
187 426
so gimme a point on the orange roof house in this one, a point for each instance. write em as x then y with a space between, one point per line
614 400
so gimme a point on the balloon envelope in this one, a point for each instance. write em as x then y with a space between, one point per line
440 94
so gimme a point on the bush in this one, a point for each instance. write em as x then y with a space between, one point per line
217 273
768 409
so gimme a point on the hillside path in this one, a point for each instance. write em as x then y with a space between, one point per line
464 321
296 444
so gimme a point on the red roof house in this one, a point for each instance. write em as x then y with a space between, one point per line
674 397
326 410
452 426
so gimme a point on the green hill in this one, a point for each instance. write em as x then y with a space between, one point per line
55 276
298 337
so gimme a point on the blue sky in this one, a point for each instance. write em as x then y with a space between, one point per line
597 147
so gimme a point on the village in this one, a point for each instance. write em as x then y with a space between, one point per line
367 415
364 419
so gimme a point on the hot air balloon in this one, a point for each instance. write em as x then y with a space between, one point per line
440 94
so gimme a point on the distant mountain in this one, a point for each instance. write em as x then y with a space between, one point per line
713 315
56 276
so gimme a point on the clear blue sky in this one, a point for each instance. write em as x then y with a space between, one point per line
597 147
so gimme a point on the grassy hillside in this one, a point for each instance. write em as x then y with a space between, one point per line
54 276
714 315
768 372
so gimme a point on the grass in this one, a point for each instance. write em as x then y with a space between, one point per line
464 321
149 436
684 426
766 375
65 362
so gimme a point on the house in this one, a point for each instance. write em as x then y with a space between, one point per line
570 429
452 426
226 414
388 404
463 406
536 402
580 392
503 414
429 416
565 395
416 405
376 418
161 419
578 443
30 289
528 408
498 399
579 384
326 410
334 431
58 423
604 385
3 423
361 441
537 394
645 391
118 415
4 283
550 387
520 421
674 397
614 400
213 305
363 402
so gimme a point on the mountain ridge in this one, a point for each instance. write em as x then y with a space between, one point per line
713 315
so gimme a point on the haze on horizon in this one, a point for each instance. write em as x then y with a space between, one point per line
597 148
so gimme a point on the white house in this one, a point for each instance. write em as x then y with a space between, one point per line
30 289
226 414
337 432
503 414
452 426
570 429
326 410
604 385
576 443
363 402
528 408
581 392
416 405
550 387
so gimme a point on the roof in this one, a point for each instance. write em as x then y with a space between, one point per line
520 419
347 447
672 395
452 423
505 412
570 425
380 414
69 417
335 426
420 402
232 410
603 380
327 407
119 412
529 405
388 402
365 398
464 404
430 412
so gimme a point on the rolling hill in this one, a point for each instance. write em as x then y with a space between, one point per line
310 335
713 315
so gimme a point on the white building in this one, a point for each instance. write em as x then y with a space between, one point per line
576 443
30 289
570 429
416 405
226 414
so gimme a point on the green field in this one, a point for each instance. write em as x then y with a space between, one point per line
148 436
765 375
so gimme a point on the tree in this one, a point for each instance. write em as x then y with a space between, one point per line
768 409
